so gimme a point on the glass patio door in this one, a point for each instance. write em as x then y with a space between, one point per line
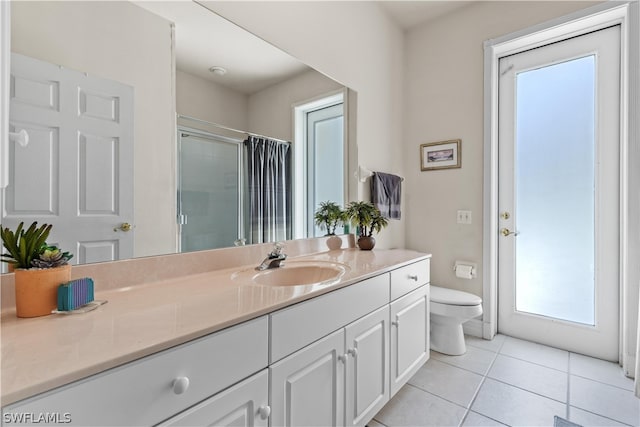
559 194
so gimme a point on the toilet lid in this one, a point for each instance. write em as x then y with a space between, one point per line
453 297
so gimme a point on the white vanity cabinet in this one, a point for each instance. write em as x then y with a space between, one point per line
156 387
308 384
307 388
409 336
244 405
332 360
367 367
378 338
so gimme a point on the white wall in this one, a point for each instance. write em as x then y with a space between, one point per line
209 101
271 109
122 42
444 100
356 44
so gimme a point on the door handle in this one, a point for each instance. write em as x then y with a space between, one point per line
505 232
125 226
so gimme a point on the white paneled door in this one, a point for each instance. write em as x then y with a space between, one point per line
77 170
559 155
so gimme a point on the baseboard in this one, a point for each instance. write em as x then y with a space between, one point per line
473 327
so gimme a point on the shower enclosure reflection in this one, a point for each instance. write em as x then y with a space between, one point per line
209 183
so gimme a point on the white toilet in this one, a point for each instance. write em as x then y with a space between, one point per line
449 310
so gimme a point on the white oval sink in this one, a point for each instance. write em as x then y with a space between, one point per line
296 273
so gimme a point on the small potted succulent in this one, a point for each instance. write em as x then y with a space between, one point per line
368 219
39 268
328 216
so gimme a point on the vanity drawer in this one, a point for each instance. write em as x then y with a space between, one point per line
297 326
143 392
406 279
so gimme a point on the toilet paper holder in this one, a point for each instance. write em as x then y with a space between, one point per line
465 269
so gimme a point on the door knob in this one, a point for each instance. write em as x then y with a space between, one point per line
505 232
125 226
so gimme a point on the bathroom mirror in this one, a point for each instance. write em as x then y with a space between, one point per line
135 50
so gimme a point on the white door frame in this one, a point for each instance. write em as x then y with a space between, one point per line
5 70
585 21
299 153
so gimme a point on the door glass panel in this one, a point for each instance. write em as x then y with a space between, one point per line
326 159
555 191
209 193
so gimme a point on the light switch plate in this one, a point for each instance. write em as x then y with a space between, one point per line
464 217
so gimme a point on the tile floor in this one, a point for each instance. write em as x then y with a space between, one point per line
513 382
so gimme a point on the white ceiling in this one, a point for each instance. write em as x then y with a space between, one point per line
408 14
204 39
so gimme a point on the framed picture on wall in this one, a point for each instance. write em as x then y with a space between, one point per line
440 155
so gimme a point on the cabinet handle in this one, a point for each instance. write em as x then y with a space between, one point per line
413 277
396 323
353 352
264 411
342 358
180 385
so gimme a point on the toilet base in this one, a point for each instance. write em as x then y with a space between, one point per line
447 336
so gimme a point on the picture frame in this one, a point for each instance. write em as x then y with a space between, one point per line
441 155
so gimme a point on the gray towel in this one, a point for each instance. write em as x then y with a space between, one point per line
385 194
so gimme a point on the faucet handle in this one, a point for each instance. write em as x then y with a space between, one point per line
277 249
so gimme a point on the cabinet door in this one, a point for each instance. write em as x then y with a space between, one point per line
367 367
307 388
243 405
409 336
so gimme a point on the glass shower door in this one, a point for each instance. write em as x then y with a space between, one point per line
209 202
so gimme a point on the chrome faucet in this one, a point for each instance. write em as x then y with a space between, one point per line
274 259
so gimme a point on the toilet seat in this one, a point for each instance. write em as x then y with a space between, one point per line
453 297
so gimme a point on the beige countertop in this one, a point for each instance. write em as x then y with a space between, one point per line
42 353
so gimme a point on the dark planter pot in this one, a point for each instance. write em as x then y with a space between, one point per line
366 243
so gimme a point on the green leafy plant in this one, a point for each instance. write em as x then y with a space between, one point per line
366 216
328 216
28 249
51 257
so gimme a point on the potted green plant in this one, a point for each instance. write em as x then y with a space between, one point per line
368 219
328 216
39 268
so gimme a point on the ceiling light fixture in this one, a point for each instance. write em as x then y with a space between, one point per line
220 71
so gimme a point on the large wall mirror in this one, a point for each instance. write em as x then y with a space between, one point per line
137 113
